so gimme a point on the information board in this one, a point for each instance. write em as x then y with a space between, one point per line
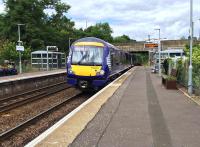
150 45
19 48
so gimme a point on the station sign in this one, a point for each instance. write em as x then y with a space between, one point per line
19 48
151 45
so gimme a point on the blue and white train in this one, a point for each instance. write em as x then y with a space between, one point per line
92 62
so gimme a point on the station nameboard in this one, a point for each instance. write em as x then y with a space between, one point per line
150 45
19 48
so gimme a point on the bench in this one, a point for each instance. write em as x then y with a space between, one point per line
172 82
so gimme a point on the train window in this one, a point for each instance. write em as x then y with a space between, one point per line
116 57
87 55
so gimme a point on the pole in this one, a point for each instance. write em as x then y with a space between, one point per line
149 38
191 41
18 32
52 63
19 43
159 55
199 29
20 62
159 50
149 59
47 58
42 60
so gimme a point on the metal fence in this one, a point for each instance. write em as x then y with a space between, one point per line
182 75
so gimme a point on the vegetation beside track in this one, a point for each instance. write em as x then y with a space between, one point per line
42 29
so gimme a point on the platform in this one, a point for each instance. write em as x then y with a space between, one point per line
24 76
16 84
140 113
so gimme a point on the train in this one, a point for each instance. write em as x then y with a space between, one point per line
8 69
92 62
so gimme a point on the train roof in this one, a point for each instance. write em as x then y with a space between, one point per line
94 39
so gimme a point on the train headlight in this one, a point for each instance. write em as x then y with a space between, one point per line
101 72
70 71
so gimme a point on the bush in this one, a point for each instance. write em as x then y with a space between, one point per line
171 78
8 52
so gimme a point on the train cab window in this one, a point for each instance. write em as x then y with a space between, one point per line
87 55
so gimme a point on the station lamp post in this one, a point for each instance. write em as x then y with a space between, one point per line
199 28
190 85
159 50
19 48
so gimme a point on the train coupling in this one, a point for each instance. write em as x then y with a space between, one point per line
83 84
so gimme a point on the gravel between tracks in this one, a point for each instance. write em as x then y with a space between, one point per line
20 114
34 130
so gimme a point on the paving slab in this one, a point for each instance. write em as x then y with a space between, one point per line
181 114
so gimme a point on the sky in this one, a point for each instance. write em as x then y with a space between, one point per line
136 18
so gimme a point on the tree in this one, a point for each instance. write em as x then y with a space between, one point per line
8 52
40 28
183 38
122 39
100 30
79 33
25 12
195 53
60 27
195 63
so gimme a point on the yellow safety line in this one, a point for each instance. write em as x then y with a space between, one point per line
197 102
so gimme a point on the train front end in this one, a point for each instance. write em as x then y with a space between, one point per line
86 66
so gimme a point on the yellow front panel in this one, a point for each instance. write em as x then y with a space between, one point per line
81 70
89 44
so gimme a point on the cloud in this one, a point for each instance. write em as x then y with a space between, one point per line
136 18
2 7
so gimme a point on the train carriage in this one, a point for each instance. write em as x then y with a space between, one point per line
92 62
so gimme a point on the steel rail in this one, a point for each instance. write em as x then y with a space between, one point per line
29 99
28 92
34 119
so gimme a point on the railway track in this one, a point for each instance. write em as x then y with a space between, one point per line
34 119
29 128
30 96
